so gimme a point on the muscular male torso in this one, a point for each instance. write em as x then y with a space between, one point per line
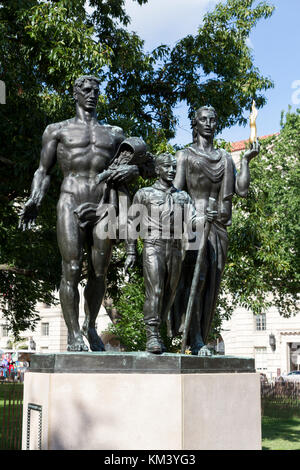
83 151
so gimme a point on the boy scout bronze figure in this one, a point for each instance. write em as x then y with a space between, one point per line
163 208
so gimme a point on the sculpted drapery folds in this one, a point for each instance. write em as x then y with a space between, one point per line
205 172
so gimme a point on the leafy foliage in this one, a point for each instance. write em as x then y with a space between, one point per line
42 52
263 259
130 328
216 65
44 47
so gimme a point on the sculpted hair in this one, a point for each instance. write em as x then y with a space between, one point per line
80 81
197 112
162 158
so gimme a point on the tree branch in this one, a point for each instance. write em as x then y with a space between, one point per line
13 269
6 161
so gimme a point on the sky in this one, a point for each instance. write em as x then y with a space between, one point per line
275 44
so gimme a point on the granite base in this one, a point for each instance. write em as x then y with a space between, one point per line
133 401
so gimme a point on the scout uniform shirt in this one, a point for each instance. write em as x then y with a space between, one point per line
160 213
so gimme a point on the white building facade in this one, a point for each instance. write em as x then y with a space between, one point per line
50 334
272 340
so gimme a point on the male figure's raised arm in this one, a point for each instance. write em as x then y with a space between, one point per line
41 179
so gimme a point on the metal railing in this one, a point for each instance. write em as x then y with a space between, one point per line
283 394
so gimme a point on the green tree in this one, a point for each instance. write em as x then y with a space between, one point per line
263 261
216 66
42 52
44 46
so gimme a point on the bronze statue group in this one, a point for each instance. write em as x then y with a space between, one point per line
182 266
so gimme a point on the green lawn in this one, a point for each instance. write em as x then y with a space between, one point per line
11 419
281 428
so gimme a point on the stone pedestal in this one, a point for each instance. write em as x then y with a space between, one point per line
133 401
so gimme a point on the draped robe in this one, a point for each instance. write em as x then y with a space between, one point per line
217 171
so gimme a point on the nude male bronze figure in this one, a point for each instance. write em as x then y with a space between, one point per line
83 148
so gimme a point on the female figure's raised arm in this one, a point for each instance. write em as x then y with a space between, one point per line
242 180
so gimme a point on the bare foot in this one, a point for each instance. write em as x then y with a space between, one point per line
76 344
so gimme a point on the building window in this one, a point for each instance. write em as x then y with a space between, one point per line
260 355
4 331
45 329
260 321
294 356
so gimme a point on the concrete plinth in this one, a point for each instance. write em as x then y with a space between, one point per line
135 401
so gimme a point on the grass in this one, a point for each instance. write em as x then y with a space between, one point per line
280 425
280 428
10 419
